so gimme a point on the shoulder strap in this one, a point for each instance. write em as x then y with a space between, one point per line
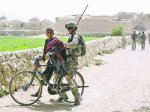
70 39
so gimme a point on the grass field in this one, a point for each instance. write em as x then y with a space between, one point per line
12 43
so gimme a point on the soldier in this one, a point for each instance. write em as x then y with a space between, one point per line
149 38
124 42
71 57
142 40
134 38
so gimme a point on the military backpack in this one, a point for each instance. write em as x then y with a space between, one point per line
82 45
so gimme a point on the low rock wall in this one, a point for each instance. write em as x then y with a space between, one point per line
12 62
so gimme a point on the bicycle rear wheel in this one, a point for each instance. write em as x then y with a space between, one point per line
65 88
22 85
80 82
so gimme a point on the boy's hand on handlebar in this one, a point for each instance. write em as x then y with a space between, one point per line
47 56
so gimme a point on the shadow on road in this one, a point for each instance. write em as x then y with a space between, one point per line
45 107
40 106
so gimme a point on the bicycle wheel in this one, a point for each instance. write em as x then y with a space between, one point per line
80 82
66 93
22 85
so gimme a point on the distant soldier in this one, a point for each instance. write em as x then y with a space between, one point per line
124 42
142 40
134 38
149 38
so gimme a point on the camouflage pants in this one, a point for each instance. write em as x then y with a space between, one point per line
143 45
133 44
124 45
70 67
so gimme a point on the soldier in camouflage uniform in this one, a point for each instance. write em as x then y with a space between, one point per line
72 59
124 42
142 40
134 38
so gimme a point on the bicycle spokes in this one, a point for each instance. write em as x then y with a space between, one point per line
24 84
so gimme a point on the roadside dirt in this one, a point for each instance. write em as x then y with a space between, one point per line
121 84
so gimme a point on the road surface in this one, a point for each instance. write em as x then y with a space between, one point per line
121 84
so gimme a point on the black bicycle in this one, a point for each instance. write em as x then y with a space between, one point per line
25 83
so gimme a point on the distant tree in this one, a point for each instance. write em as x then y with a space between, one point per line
34 19
117 31
3 18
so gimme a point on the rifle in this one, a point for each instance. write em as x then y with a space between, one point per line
82 15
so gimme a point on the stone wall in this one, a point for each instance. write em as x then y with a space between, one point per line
12 62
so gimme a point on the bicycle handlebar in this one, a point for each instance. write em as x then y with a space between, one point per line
42 65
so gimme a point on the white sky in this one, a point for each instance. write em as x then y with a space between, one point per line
49 9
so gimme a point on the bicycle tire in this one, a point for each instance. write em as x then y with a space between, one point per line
82 80
66 92
25 83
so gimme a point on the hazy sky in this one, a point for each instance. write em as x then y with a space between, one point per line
49 9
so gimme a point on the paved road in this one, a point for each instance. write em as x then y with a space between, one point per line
122 84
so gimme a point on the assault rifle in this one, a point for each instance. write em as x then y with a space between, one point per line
82 15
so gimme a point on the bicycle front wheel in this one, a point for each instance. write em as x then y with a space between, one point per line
22 85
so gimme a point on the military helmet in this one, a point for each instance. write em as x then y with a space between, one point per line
71 24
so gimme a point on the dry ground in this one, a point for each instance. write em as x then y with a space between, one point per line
122 84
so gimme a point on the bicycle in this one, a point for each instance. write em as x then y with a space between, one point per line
25 83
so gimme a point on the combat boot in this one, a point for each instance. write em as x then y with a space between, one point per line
77 102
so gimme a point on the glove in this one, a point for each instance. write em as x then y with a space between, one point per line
36 62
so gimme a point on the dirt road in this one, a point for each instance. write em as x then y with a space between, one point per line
122 84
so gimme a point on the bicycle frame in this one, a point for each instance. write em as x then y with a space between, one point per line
53 86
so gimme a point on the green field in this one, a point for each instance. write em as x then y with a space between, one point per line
12 43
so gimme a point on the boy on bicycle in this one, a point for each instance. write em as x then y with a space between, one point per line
50 49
